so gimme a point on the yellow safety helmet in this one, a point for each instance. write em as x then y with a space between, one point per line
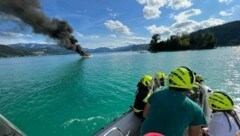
181 77
160 75
199 78
220 101
146 80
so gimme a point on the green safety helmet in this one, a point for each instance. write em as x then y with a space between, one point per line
160 75
181 77
146 80
220 101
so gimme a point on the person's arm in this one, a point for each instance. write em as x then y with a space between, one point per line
146 109
194 130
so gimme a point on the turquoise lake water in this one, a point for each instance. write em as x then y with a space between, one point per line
68 95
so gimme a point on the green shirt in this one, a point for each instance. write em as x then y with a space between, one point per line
171 112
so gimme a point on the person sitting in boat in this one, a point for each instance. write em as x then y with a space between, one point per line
158 81
199 79
225 121
195 93
142 94
170 111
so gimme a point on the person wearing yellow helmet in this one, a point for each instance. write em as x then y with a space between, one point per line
225 121
142 94
199 79
195 93
158 81
170 111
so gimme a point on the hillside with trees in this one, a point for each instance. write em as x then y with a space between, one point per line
31 49
227 34
6 51
183 42
223 35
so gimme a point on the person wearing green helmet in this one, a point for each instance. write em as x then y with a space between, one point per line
225 121
170 111
142 94
158 81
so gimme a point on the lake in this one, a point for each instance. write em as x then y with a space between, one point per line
67 95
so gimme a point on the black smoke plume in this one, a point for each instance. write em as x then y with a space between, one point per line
29 11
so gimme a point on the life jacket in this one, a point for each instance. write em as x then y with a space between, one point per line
141 98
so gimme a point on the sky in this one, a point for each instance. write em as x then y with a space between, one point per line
114 23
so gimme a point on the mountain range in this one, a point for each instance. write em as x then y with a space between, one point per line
34 49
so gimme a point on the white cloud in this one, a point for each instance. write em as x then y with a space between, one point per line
8 41
94 36
135 40
184 26
151 12
186 14
79 34
142 1
230 11
188 26
211 22
25 38
162 30
113 15
151 9
117 27
5 17
153 3
178 4
225 1
13 34
113 35
225 13
156 3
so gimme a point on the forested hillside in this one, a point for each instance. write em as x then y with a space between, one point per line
6 51
227 34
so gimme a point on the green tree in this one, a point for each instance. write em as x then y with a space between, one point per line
154 41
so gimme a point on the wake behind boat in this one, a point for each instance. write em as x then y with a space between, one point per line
129 124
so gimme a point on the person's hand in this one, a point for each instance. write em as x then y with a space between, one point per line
205 131
238 133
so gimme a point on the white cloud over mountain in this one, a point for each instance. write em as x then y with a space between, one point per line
184 26
13 34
